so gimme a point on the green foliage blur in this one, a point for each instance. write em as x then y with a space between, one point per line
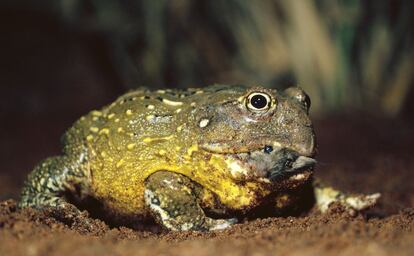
345 54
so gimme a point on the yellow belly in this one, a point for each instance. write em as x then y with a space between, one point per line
119 181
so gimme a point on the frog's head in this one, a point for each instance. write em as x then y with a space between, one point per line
262 133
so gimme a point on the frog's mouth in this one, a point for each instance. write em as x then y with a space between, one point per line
269 165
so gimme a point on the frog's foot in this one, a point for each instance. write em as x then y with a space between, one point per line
172 200
217 224
325 196
70 215
47 183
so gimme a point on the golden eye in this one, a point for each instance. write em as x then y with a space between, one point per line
259 102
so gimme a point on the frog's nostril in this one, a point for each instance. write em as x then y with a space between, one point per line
268 149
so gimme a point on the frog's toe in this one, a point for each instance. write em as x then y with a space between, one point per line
362 202
354 203
217 224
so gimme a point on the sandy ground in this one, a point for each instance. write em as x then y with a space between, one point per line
358 154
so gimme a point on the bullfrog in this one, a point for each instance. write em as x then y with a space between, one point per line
192 159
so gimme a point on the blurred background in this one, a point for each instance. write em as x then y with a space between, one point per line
61 58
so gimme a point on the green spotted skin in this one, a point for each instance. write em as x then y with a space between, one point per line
51 178
54 176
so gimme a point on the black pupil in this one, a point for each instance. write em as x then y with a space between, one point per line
258 101
268 149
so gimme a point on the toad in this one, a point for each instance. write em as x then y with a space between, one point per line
192 159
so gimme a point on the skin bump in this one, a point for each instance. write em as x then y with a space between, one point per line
162 152
172 103
96 113
104 131
157 139
131 146
120 163
94 129
204 122
150 117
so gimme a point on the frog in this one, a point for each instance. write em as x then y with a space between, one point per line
196 159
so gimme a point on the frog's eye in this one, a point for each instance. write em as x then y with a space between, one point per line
258 102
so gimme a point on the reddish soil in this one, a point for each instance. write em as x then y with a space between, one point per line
358 154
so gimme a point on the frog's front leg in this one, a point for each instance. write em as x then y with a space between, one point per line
47 184
326 195
173 200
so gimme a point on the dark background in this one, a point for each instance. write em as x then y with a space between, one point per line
60 59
